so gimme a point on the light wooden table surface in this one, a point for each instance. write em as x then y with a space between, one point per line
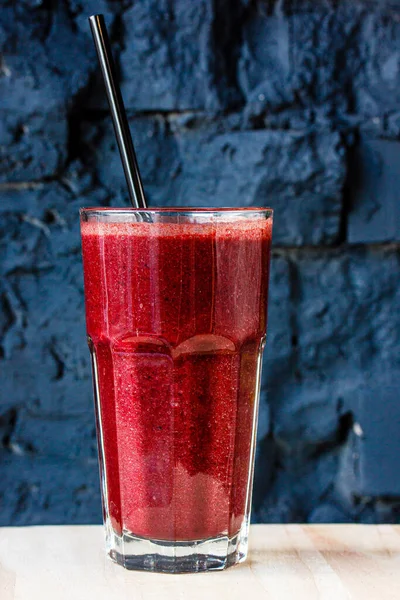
288 562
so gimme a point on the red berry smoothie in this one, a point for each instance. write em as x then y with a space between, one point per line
176 319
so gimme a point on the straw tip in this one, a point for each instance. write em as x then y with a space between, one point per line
94 18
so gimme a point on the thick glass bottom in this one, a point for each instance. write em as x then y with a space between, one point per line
159 556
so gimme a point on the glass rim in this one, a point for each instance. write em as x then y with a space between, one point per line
226 210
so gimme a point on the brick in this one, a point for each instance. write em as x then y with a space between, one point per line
54 437
167 62
371 469
353 325
264 69
332 57
44 491
55 64
41 224
44 341
376 84
32 146
379 420
43 333
157 154
375 209
326 401
299 54
296 488
300 175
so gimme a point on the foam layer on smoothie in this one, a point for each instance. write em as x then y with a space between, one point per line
246 228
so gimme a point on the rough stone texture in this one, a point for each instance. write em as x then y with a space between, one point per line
290 104
332 362
375 211
45 60
377 433
300 174
376 87
299 57
170 46
53 490
334 57
25 153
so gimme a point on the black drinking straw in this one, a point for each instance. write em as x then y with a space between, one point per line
118 113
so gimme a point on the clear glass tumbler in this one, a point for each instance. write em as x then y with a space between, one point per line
176 312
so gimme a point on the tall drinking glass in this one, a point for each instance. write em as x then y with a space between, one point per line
176 312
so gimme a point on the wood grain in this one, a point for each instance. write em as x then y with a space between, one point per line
324 562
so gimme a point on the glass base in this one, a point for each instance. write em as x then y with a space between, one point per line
142 554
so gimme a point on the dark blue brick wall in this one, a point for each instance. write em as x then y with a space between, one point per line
294 104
